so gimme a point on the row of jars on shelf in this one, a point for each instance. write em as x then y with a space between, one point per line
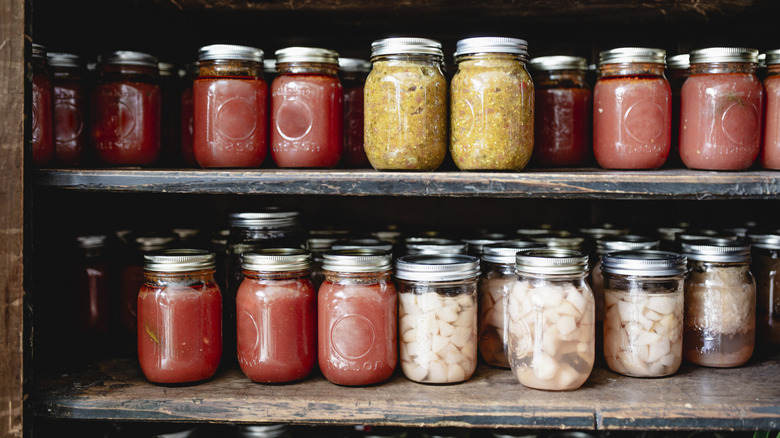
523 304
398 112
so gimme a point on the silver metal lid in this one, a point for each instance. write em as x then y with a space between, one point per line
126 57
716 250
261 431
93 241
558 62
693 234
166 69
179 260
38 51
230 51
624 55
644 263
596 233
469 46
772 57
355 64
154 243
320 244
431 267
434 245
306 54
506 252
357 260
551 261
265 218
406 46
363 243
724 54
476 246
765 240
562 239
269 66
276 260
679 62
60 59
627 242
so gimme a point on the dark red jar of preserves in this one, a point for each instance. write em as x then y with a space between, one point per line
179 317
353 79
721 110
187 110
632 109
307 111
71 134
125 109
563 111
357 317
229 97
42 110
770 155
90 285
276 316
678 68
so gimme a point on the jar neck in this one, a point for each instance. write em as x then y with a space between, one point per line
643 278
74 74
773 70
139 73
559 79
580 276
278 275
631 69
353 77
318 68
723 67
357 277
693 264
39 65
230 68
432 60
204 275
490 56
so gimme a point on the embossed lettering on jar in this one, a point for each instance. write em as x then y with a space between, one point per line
722 108
42 111
71 134
632 109
307 110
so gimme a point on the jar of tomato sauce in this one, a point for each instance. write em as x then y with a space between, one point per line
307 108
770 155
357 317
179 317
276 314
42 110
353 77
91 285
491 105
632 109
186 124
71 135
406 105
125 110
678 68
229 97
562 111
721 110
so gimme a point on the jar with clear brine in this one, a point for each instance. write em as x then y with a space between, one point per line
765 267
437 314
550 331
720 303
405 110
643 312
492 105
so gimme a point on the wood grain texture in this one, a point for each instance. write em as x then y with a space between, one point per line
580 184
11 213
695 398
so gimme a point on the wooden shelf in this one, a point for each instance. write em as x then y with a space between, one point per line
743 398
570 184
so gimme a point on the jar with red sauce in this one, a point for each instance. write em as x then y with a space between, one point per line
721 110
71 104
125 109
276 322
765 266
770 154
186 124
179 317
229 97
678 68
632 109
42 110
353 78
307 108
563 104
357 317
90 285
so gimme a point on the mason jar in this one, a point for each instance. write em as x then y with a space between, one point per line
550 332
353 74
765 266
434 245
770 154
437 314
720 303
643 312
42 111
71 108
678 68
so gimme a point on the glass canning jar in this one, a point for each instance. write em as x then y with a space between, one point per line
307 108
434 245
125 109
721 110
90 284
643 312
42 147
720 303
229 107
678 68
276 316
357 317
353 78
550 331
563 105
406 105
770 154
437 313
491 105
179 317
765 267
71 108
632 109
497 280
